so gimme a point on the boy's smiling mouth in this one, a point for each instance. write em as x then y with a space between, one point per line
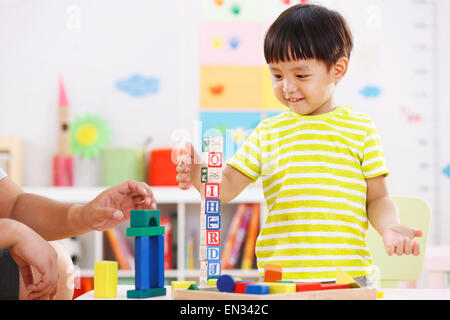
295 100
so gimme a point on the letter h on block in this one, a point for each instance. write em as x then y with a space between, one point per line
149 254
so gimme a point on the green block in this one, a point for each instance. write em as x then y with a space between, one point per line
123 164
145 218
145 232
142 294
285 281
193 287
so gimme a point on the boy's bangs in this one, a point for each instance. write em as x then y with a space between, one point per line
283 50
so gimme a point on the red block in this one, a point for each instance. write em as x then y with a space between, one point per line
162 171
313 286
334 286
239 286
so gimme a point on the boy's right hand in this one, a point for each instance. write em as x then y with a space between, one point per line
31 250
188 166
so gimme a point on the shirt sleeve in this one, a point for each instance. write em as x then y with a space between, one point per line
2 174
248 158
373 164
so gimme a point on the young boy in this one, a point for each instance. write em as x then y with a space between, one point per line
28 221
321 165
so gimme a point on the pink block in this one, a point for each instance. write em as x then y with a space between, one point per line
63 171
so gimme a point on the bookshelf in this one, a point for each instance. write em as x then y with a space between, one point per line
184 205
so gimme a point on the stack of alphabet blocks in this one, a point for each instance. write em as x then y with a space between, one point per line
211 176
148 254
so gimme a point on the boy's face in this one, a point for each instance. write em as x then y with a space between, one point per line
305 86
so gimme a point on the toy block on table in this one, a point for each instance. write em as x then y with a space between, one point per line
343 278
181 284
142 294
212 282
277 287
239 286
142 263
257 289
309 286
145 218
334 286
193 287
149 254
272 273
145 231
156 262
225 283
211 177
105 279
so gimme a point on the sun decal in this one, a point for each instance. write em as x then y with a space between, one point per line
89 134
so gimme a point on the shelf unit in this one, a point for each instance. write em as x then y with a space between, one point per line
187 207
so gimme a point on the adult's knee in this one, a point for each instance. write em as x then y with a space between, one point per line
66 275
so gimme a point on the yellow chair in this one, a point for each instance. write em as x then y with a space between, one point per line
416 213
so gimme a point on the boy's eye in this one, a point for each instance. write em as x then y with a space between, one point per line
301 76
277 76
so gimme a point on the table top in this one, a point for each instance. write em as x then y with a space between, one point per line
388 294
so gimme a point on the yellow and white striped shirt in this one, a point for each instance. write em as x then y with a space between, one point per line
314 171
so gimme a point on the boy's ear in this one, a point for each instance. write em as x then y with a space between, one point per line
340 68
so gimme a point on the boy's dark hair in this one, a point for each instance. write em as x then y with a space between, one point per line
308 31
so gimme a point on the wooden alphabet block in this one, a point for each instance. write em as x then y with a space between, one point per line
215 160
216 144
214 175
212 190
212 238
212 222
212 206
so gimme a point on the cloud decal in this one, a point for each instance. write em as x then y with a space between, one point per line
370 91
139 86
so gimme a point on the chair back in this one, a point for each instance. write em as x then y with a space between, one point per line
416 213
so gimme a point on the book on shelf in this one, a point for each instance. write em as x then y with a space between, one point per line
239 247
121 249
190 255
166 221
248 255
231 235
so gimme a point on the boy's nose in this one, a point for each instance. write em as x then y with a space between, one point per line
289 87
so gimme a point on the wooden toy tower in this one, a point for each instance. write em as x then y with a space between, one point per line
148 254
63 161
211 176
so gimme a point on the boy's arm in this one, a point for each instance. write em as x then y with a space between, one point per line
233 183
384 217
381 209
189 174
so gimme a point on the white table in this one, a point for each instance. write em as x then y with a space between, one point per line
388 294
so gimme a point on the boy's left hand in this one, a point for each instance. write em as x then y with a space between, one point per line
399 239
112 207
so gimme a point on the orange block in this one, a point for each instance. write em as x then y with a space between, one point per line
272 273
